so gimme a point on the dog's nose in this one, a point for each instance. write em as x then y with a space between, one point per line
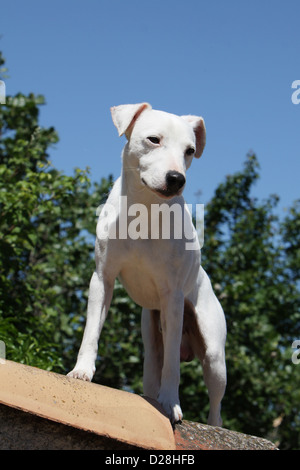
174 181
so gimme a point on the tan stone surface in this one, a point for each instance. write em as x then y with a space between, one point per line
197 436
115 414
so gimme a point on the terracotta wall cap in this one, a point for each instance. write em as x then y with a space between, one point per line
112 413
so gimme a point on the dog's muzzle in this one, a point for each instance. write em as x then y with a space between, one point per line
174 182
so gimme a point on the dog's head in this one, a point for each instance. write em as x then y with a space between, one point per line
160 145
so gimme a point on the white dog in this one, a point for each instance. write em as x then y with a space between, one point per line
181 316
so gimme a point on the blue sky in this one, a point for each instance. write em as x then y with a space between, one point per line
232 62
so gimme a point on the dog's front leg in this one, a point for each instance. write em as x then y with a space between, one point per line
171 322
153 352
100 295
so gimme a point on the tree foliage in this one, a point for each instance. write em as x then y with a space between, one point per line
251 257
47 227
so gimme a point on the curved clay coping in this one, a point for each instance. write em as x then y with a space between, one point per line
112 413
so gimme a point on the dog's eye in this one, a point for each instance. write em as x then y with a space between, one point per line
190 151
154 140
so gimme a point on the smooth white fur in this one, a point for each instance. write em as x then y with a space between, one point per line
161 275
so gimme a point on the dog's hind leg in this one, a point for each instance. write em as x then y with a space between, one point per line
208 343
153 352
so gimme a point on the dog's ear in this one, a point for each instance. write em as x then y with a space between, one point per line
125 115
198 125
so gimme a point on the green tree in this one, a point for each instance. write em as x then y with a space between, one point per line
47 232
251 257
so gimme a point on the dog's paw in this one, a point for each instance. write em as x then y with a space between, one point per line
172 408
215 420
177 414
82 374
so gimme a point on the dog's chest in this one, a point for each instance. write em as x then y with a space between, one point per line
139 277
150 268
143 273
